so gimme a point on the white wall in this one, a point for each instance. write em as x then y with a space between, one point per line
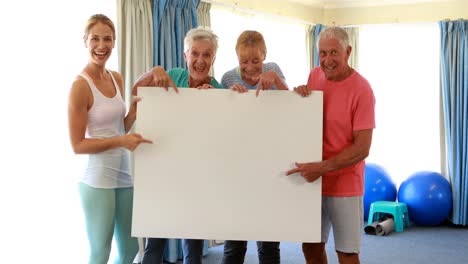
408 13
420 12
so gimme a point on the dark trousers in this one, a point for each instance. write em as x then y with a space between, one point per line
154 251
234 252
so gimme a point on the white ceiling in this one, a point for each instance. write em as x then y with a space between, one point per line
360 3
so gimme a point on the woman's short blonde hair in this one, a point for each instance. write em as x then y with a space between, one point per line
251 38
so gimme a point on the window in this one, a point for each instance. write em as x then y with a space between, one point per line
285 41
401 61
42 52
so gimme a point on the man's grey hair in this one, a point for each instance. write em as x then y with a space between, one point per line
337 33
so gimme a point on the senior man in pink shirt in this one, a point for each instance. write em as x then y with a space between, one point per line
348 123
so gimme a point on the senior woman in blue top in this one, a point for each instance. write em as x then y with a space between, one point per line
252 74
200 50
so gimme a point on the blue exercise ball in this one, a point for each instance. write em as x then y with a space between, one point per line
428 196
378 186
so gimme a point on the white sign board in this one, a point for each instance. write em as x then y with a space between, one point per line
217 167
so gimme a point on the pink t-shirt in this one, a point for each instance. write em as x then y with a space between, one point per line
348 106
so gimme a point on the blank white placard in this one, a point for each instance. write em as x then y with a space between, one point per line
217 167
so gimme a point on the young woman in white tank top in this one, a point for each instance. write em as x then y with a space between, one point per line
99 127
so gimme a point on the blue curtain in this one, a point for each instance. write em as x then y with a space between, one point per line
318 28
454 82
172 19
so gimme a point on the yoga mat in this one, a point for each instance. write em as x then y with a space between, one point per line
385 227
370 229
382 227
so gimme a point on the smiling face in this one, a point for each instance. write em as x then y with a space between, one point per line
251 52
200 56
334 59
100 41
250 63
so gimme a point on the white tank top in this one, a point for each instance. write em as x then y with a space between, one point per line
107 169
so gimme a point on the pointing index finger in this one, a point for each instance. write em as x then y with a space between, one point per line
259 87
174 86
289 172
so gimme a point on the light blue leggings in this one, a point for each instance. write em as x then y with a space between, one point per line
108 212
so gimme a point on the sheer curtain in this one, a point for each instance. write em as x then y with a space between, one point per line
204 20
454 71
353 34
134 40
135 46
